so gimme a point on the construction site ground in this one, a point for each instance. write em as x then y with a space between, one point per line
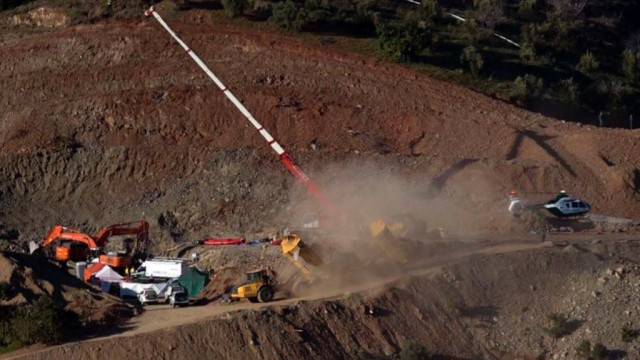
112 122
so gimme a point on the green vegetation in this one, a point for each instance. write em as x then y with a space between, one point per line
627 334
578 53
587 351
5 290
41 321
403 40
413 351
233 8
472 58
558 326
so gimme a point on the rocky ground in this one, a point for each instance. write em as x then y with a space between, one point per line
111 122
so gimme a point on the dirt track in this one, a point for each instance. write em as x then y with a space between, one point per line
111 122
475 279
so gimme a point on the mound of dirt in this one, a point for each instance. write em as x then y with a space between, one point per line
31 276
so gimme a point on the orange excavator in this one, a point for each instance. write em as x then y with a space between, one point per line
70 244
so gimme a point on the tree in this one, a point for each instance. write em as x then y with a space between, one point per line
473 59
489 13
403 40
413 351
568 90
524 89
233 8
566 9
527 7
631 67
285 14
430 8
588 64
528 53
472 32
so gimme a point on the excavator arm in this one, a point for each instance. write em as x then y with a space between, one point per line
140 229
62 233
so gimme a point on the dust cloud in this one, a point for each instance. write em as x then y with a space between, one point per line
468 204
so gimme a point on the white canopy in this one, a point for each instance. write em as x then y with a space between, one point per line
107 274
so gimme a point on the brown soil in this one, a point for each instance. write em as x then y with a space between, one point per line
111 122
33 276
494 305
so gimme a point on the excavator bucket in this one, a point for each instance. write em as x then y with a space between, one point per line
292 245
33 247
388 242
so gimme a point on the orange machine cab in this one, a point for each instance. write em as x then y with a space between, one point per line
71 251
116 261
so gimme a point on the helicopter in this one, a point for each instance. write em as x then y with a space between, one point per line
562 206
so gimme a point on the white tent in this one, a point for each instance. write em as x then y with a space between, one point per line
107 274
130 289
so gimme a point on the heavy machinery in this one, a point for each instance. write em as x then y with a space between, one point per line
329 212
258 288
309 265
383 233
67 244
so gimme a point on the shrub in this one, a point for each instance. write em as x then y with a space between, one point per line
527 7
587 351
584 349
568 90
37 322
430 8
472 33
489 13
588 64
628 335
5 290
414 352
528 53
473 59
233 8
631 67
284 14
403 40
558 326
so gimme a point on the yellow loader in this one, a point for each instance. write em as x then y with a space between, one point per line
258 288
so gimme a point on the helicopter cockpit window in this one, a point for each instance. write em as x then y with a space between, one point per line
583 205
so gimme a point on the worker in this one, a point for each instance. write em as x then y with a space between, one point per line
195 257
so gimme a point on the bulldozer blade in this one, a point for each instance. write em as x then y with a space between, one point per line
33 247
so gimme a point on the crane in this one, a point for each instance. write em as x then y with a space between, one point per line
287 161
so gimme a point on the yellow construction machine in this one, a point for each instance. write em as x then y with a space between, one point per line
390 238
258 288
308 263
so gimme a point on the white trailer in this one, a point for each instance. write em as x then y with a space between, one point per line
163 268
